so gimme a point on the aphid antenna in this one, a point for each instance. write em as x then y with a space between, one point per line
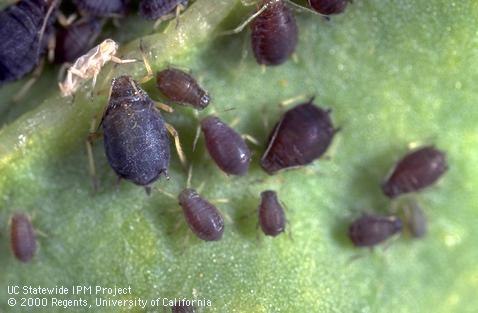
34 77
301 8
289 101
147 65
177 144
243 25
53 5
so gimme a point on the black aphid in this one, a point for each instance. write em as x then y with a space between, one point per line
302 135
22 237
182 309
274 33
271 214
102 7
415 171
226 146
76 39
328 7
155 9
135 136
370 230
25 28
180 87
203 218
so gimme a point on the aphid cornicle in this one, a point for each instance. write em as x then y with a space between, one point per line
102 7
328 7
203 218
25 28
155 9
178 86
370 230
76 39
274 33
302 135
135 136
22 237
182 309
271 214
415 171
225 146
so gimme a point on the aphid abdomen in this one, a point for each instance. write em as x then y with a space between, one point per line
20 46
302 135
22 237
274 34
75 40
182 88
328 7
271 214
370 230
203 218
135 138
102 7
154 9
415 171
182 309
225 146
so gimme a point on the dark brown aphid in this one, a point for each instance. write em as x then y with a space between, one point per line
182 309
370 230
102 7
415 171
274 33
203 218
271 214
22 237
180 87
415 219
135 135
302 135
25 28
154 9
226 146
328 7
76 39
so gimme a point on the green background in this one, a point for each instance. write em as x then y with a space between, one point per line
397 74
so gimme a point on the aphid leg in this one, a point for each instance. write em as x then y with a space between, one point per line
295 58
163 106
78 73
287 102
66 21
227 217
34 77
235 122
164 192
251 139
241 27
190 176
122 61
118 182
147 189
196 137
51 48
92 136
147 65
178 11
177 143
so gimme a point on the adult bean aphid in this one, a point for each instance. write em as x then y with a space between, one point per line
178 86
25 28
135 134
76 39
22 237
271 214
203 218
156 9
415 171
370 230
328 7
89 66
225 146
302 135
102 7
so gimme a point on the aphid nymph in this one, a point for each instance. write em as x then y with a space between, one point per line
415 171
370 230
271 214
22 237
328 7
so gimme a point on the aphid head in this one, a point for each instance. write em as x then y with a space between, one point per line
108 47
397 223
209 121
124 86
187 194
204 101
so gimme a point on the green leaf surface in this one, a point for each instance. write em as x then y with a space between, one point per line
396 74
